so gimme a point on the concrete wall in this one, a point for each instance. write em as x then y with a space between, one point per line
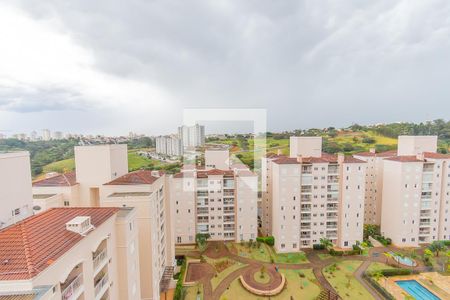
217 159
15 187
305 146
413 145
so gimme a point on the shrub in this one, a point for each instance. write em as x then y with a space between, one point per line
318 247
178 294
343 253
269 240
378 287
393 272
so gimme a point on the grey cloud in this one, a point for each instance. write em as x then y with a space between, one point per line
31 99
346 61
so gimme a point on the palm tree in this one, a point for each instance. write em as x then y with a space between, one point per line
326 243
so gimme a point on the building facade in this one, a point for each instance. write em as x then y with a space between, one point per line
307 198
83 253
192 136
221 203
170 145
147 192
15 187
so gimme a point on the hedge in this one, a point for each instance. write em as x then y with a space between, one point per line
179 287
269 240
344 253
393 272
318 247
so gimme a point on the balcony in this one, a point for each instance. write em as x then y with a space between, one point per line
228 201
74 289
332 198
332 207
306 189
228 184
305 198
305 208
99 260
202 220
202 202
333 179
228 227
334 188
305 217
229 193
202 210
427 186
305 226
101 286
228 219
333 169
332 225
305 236
428 168
202 193
306 169
228 210
332 215
331 235
425 231
426 195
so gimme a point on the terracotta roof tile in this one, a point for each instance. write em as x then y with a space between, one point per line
380 154
225 173
66 179
30 246
404 158
353 160
436 155
136 177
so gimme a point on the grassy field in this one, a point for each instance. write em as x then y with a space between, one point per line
343 280
135 162
192 291
301 284
376 266
61 166
215 281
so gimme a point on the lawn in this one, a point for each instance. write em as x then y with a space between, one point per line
324 256
191 292
297 287
376 266
266 253
61 166
342 279
215 281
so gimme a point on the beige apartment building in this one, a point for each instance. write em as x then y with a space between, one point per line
147 192
15 187
312 195
416 193
219 199
83 253
374 183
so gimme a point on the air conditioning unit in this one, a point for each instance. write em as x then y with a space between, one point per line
81 225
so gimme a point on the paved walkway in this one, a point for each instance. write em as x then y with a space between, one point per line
315 263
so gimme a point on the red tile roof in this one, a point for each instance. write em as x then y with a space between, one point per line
66 179
30 246
353 160
436 155
404 158
136 177
225 173
380 154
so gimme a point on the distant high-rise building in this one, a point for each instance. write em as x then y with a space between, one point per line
57 135
46 135
192 136
33 136
169 145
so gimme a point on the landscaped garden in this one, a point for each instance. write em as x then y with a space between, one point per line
341 276
301 284
192 292
223 267
265 253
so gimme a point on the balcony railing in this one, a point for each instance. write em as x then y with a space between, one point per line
73 289
305 198
332 207
202 210
332 188
333 169
305 208
228 211
333 179
101 284
100 258
306 189
228 228
228 193
428 168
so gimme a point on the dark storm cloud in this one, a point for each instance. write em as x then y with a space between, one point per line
310 63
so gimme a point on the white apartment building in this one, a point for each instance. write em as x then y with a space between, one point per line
416 193
96 165
15 187
311 195
46 135
147 192
192 136
170 145
82 253
221 202
56 190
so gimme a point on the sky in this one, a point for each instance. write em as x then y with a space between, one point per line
113 66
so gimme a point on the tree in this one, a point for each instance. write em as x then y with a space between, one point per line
378 275
201 239
262 271
436 247
326 243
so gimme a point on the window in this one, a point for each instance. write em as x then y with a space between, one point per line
178 239
346 243
282 246
66 203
